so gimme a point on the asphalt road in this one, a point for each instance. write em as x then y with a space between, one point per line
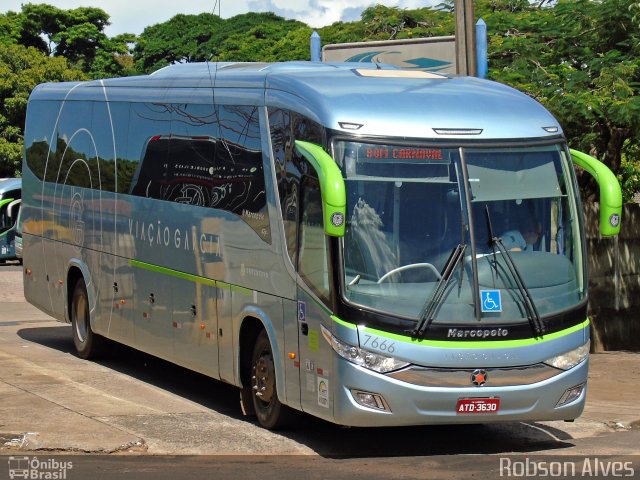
131 415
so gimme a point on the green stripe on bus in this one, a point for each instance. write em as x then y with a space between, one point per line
187 276
172 273
343 323
234 288
466 344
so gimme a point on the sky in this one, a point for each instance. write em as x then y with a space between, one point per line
132 16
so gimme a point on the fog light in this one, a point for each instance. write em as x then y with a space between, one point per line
370 400
570 395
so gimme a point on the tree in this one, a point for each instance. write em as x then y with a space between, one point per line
114 58
77 34
194 38
74 34
580 58
10 27
21 69
255 37
389 23
629 174
180 39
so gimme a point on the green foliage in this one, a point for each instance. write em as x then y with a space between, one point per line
341 32
21 69
194 38
266 37
114 59
77 35
74 34
10 27
256 37
629 175
389 23
295 45
180 39
579 58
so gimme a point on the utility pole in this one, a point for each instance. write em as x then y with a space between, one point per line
465 38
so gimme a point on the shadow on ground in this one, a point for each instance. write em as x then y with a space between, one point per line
324 438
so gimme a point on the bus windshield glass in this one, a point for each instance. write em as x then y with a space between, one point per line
410 207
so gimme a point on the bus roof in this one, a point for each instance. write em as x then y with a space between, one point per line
366 99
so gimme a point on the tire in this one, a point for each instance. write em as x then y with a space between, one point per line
88 344
271 414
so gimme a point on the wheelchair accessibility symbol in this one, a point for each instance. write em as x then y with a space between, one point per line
302 312
491 301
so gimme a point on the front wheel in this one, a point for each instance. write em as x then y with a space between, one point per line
271 414
87 343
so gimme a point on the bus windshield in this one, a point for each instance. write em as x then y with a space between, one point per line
410 207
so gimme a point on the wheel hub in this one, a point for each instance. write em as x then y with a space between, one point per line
264 378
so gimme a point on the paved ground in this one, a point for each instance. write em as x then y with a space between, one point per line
50 400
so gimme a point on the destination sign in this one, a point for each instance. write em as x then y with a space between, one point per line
403 153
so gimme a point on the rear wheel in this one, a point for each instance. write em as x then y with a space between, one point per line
87 343
271 414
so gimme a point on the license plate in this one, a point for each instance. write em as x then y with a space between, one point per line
478 405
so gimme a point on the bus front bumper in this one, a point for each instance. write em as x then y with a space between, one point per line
401 403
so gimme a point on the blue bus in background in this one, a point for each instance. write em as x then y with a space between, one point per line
369 245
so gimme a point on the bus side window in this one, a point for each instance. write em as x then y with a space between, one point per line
148 140
239 173
288 175
313 260
37 139
285 127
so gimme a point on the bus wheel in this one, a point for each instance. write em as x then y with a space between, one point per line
86 342
271 414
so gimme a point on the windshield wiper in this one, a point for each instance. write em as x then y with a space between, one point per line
492 237
532 312
428 310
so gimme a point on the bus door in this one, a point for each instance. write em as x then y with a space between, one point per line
313 297
313 289
319 208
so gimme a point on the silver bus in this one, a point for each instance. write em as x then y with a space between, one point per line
368 245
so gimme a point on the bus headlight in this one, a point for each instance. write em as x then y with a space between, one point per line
364 358
570 359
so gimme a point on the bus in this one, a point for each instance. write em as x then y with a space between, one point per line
10 194
368 245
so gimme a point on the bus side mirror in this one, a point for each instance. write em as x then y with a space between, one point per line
610 193
332 189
